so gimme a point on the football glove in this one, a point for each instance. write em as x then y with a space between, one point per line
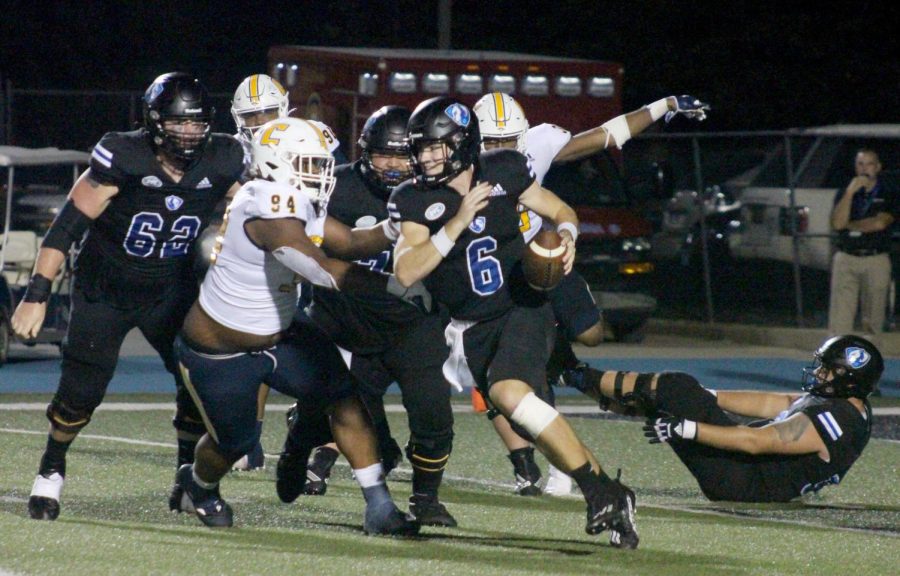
689 106
417 294
664 429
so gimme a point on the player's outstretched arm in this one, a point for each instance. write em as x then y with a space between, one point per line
357 243
619 130
793 436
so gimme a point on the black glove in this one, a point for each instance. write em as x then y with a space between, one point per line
664 429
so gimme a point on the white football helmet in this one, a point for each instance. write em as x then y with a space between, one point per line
257 93
295 152
500 117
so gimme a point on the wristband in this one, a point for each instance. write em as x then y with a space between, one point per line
572 228
689 430
391 230
658 109
38 290
442 242
618 129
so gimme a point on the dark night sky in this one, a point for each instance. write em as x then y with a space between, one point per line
760 64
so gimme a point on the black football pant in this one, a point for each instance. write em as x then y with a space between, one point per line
96 331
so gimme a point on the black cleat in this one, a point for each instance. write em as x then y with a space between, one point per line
319 471
426 510
387 520
623 532
290 475
208 505
528 475
43 504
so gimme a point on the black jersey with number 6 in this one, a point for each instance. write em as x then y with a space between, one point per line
147 232
473 281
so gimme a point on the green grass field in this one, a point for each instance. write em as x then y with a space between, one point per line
115 520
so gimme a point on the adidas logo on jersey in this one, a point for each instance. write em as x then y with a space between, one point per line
497 190
205 183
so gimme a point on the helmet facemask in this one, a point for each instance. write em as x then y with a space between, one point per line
501 119
256 95
853 363
293 152
177 115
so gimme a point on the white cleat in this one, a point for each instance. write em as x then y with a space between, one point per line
45 493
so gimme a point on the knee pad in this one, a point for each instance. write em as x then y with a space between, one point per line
428 458
676 383
533 415
66 419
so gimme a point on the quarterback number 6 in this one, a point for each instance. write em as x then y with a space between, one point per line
484 270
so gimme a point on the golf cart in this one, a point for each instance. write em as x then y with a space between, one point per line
28 211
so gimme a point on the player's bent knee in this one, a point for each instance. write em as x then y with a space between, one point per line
65 419
676 383
428 458
533 415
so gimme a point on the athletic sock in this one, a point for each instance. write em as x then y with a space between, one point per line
54 458
592 484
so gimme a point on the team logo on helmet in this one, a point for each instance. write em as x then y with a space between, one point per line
154 91
477 225
857 357
459 114
173 202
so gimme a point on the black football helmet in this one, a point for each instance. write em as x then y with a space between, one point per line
449 122
178 97
385 133
854 363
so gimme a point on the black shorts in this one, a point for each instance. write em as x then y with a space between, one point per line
573 305
721 474
515 346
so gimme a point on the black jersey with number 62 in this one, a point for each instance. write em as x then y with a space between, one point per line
144 236
473 281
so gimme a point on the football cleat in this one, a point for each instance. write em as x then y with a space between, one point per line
426 510
290 475
318 471
623 532
558 482
253 460
386 519
43 504
527 473
208 505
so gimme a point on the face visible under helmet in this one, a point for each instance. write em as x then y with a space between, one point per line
177 115
257 94
855 364
294 152
450 123
500 117
385 133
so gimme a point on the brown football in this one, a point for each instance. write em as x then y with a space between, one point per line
543 260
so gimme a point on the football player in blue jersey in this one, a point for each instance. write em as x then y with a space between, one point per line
799 444
136 211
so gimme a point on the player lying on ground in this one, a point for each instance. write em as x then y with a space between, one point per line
802 442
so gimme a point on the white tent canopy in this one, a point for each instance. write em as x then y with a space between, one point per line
18 156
